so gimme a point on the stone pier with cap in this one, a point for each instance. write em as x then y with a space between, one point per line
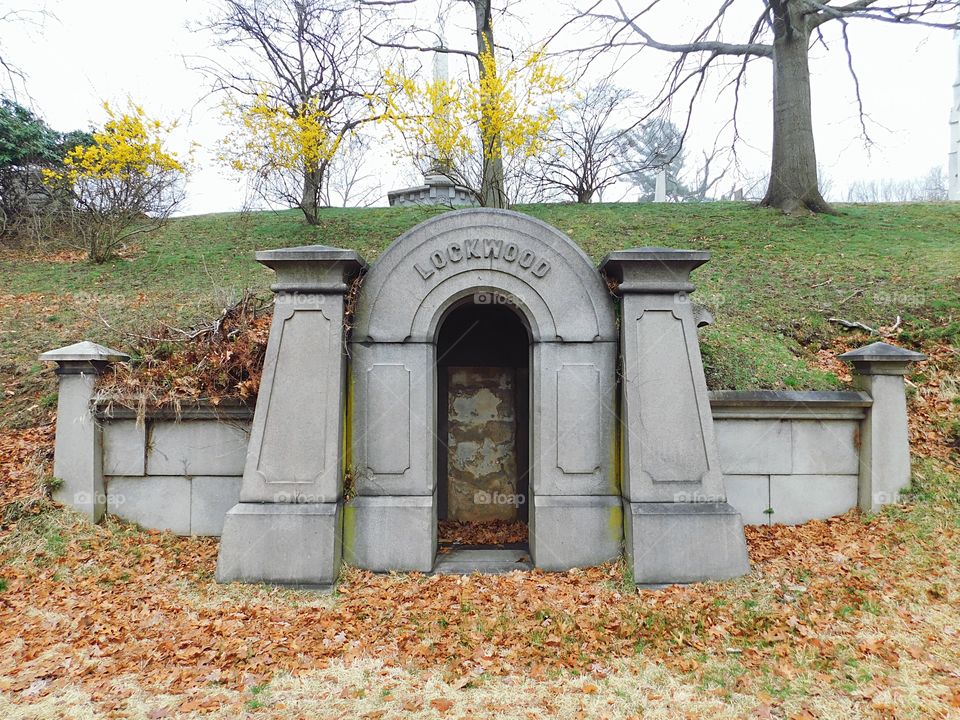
878 370
678 525
287 526
78 454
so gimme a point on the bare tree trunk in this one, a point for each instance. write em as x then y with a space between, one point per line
793 171
492 186
312 182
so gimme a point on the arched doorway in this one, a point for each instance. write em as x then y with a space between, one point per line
483 425
533 278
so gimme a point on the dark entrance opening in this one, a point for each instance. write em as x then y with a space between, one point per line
483 428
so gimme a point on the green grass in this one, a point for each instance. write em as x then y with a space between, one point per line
772 282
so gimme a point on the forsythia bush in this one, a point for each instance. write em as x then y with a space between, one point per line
268 136
449 124
284 151
123 183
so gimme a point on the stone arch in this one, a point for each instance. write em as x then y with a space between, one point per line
473 251
465 256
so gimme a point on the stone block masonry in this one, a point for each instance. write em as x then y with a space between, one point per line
604 433
825 418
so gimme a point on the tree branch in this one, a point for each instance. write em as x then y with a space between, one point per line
700 46
907 13
420 48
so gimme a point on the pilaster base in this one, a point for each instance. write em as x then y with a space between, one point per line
568 531
684 542
282 543
387 533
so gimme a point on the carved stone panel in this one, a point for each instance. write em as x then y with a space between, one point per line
574 419
669 449
579 405
387 434
293 455
672 439
304 340
393 437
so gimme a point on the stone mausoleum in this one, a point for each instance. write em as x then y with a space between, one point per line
484 369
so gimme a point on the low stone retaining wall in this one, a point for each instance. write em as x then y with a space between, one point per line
790 457
178 473
787 457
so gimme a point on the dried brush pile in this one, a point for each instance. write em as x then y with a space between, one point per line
212 362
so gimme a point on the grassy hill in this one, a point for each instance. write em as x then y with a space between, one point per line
854 617
772 283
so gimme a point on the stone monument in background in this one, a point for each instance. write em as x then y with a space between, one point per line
438 187
953 164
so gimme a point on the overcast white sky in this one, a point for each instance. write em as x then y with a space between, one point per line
109 49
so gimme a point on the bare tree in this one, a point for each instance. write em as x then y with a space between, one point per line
347 182
300 53
782 32
935 185
14 79
584 151
884 190
824 181
707 175
931 187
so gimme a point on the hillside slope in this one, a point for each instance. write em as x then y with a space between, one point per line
772 283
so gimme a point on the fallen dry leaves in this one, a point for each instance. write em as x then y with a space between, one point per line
217 360
864 608
24 456
117 601
934 404
494 532
66 255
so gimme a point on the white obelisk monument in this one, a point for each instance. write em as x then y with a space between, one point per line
441 66
660 191
953 163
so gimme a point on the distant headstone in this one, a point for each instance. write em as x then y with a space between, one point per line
954 156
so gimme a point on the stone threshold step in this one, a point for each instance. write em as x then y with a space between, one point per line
447 547
460 561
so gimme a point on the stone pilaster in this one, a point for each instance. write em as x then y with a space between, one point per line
878 370
678 525
287 526
78 456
